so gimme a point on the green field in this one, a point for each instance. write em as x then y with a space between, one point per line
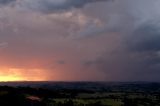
78 102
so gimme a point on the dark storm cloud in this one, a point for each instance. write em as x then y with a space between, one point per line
61 62
138 60
145 38
4 2
127 66
138 55
49 6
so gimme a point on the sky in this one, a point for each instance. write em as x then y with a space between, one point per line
79 40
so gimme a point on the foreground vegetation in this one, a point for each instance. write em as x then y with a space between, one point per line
27 96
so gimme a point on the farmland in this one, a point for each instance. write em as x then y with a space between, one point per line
80 94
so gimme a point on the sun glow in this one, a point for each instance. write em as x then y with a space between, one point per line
10 78
9 75
16 74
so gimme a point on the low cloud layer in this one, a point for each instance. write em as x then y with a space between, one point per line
49 6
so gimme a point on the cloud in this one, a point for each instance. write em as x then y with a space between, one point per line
137 56
145 38
4 2
49 6
61 62
3 45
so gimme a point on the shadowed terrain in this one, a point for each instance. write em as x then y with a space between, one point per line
79 94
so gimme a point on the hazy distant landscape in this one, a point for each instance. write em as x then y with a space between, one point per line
79 94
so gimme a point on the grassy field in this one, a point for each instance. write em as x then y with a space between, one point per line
105 102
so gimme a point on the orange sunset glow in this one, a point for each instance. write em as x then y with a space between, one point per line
10 78
13 74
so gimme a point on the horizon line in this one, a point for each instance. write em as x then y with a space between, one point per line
81 81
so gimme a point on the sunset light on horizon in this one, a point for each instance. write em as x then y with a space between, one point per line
13 74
